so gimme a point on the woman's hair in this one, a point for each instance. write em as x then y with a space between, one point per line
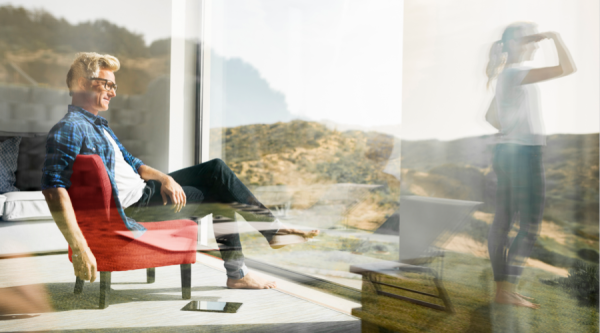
88 64
499 49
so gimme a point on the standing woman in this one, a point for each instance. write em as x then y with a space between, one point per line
518 155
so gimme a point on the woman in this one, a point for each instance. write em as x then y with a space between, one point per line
518 155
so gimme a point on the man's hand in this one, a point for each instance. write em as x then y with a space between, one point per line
59 202
84 264
173 191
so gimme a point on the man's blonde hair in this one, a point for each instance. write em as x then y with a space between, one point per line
89 64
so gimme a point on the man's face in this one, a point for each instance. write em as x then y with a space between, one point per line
99 95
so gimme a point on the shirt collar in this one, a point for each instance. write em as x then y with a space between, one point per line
88 115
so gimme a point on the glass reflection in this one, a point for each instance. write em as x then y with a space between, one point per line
518 162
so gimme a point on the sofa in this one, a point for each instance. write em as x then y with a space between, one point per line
26 225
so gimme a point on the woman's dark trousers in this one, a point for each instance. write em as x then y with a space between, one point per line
519 196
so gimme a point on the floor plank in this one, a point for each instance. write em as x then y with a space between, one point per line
136 306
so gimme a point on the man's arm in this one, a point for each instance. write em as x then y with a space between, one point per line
169 187
62 147
59 202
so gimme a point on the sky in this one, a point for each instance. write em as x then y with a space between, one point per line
417 65
337 60
446 51
350 63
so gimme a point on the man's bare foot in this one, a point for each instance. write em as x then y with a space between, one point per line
287 236
506 297
250 281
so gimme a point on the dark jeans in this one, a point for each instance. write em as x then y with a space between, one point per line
209 188
520 195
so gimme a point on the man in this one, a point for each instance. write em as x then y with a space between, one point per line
136 186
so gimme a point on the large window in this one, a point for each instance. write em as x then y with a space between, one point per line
306 104
305 107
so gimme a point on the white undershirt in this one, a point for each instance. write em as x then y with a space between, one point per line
129 183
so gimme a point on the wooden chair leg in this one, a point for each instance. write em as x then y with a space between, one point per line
150 275
104 289
186 281
78 285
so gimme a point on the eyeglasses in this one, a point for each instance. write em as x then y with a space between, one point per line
108 84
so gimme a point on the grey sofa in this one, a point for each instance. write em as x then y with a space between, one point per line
26 224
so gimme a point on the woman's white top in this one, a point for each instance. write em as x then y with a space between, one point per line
518 109
129 183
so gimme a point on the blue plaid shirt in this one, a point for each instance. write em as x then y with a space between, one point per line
80 132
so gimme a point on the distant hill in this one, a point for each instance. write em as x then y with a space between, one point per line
242 96
22 29
300 153
462 169
305 156
43 47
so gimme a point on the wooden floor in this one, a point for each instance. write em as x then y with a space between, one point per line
136 306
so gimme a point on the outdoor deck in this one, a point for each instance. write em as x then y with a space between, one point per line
137 306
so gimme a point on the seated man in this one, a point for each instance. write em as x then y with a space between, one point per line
138 187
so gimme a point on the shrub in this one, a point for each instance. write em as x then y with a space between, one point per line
582 282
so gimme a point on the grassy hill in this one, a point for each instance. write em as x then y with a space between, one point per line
43 46
301 152
306 157
461 169
303 155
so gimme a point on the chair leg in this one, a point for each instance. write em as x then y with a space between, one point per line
104 289
186 281
150 275
78 285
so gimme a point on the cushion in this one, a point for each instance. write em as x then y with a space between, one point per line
9 152
25 206
32 151
2 199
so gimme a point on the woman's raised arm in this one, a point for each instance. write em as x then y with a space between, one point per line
565 62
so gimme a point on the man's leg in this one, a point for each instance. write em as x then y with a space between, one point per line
151 209
220 185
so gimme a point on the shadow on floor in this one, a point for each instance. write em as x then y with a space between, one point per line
322 327
61 297
480 320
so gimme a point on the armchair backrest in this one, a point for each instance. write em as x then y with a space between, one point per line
93 201
90 189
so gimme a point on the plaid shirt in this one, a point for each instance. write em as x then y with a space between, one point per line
80 132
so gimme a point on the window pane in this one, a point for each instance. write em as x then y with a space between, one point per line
306 108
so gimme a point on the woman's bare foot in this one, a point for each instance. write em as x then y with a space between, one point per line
285 236
250 281
524 297
512 298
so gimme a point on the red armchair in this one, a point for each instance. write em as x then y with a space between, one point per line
163 244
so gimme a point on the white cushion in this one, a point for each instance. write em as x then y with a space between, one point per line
17 238
25 206
2 199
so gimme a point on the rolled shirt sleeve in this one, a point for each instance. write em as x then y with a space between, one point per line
135 162
62 146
